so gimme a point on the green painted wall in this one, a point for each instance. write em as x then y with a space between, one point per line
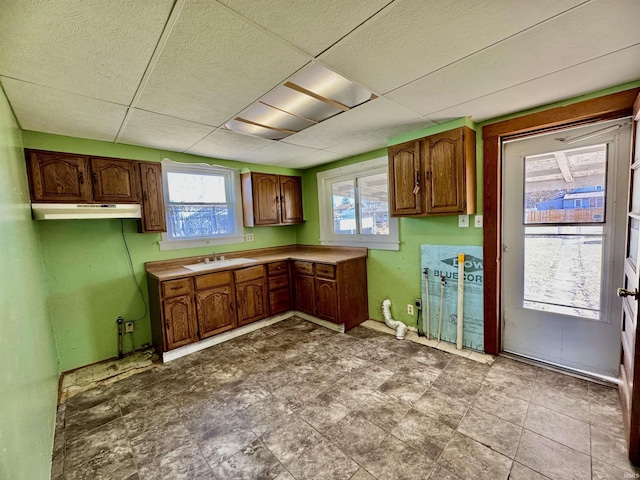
394 274
28 360
90 282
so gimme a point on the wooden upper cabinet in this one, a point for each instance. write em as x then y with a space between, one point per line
153 214
291 199
266 199
58 178
269 199
114 180
434 175
405 179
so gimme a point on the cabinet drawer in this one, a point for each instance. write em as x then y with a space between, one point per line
277 268
305 268
325 271
212 280
278 282
173 288
250 273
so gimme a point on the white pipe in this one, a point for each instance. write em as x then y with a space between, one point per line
442 282
460 300
399 327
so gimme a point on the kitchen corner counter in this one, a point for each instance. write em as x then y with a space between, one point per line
164 270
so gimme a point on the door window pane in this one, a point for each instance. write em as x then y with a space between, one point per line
635 190
343 196
562 270
634 225
374 205
566 186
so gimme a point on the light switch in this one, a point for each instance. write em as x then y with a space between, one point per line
463 221
478 221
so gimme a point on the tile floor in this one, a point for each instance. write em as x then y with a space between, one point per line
297 401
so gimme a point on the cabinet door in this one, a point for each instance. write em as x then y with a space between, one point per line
216 310
326 300
444 165
179 322
114 180
266 199
305 295
252 301
406 190
279 300
291 199
153 215
58 177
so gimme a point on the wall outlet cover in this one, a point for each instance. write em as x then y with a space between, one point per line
463 221
410 309
249 237
128 327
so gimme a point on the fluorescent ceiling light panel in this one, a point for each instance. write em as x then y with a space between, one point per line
310 96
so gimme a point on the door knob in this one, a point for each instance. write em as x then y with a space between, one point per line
623 292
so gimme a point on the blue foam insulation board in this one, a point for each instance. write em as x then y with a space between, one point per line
442 260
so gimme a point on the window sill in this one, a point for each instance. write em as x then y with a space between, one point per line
368 244
204 242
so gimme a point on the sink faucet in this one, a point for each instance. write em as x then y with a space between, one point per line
214 256
206 260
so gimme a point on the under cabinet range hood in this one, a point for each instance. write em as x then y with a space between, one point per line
69 211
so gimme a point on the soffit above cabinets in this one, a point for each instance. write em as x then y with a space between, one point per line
177 74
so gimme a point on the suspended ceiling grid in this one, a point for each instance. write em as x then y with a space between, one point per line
170 74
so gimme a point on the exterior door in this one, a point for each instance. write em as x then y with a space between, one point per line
563 221
629 375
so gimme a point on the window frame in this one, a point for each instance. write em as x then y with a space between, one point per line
325 207
234 199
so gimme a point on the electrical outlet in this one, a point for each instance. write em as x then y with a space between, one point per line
409 309
418 303
479 221
463 221
128 327
249 237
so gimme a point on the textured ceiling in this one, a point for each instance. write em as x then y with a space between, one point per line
169 74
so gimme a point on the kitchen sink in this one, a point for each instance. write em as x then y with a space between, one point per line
214 265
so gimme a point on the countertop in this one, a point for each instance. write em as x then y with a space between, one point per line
170 269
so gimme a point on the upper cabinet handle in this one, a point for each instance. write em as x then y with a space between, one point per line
81 177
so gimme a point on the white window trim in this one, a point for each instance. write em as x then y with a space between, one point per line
327 236
170 244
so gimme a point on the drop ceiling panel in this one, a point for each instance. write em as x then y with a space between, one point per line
159 131
311 26
311 159
278 152
228 145
614 69
505 65
378 117
78 45
214 65
43 109
412 38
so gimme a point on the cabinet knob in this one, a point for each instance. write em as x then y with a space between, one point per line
94 177
81 177
167 325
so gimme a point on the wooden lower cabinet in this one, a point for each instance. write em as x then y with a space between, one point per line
187 309
251 294
326 300
336 293
180 326
305 293
216 311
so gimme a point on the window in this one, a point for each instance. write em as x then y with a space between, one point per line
202 205
354 206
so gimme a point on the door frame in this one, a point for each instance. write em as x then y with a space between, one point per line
608 107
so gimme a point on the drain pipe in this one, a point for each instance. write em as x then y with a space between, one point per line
399 327
120 321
